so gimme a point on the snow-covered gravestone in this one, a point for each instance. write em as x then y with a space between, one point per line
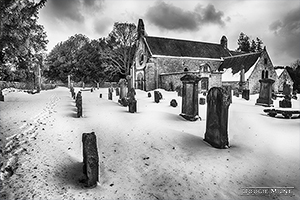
218 102
123 88
90 159
117 91
265 92
190 108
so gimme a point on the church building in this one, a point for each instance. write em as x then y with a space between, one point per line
161 62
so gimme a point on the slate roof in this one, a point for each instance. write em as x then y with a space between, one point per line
238 62
185 48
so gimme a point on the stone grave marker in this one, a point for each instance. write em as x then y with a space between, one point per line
265 92
123 88
90 159
157 96
132 101
79 104
286 102
110 91
117 91
190 108
246 94
149 94
218 102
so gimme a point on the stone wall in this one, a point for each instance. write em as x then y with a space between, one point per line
264 63
24 86
171 81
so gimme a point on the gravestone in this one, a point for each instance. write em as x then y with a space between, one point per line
265 92
123 88
1 96
90 159
117 91
286 102
246 94
110 91
132 101
149 94
236 93
190 109
83 85
97 86
202 101
100 96
79 104
157 96
173 103
92 89
218 102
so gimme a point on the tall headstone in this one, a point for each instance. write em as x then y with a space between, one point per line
218 102
265 92
69 81
132 101
190 108
90 159
110 91
246 94
79 104
117 91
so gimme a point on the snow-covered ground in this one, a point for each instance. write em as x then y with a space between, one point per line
151 154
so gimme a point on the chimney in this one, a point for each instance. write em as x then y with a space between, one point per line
224 42
141 29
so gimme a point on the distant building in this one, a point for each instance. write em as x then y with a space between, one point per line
160 63
283 78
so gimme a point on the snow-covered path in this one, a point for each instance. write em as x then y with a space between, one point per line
152 154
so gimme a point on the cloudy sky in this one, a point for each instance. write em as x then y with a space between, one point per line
276 22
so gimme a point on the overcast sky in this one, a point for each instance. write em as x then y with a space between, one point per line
276 22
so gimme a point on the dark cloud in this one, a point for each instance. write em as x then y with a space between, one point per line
167 16
73 10
287 31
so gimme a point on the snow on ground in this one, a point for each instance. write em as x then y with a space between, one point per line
151 154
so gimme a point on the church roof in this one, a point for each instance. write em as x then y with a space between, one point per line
236 63
185 48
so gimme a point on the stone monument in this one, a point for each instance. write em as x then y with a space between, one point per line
190 108
218 102
265 92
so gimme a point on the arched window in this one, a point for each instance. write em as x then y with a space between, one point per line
263 74
267 74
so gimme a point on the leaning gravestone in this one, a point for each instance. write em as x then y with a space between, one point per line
1 96
190 107
217 118
132 101
79 104
90 159
265 92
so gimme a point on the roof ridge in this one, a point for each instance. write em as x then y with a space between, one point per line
185 40
245 54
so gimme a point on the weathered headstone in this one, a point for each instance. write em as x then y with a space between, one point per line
92 89
90 159
1 96
79 104
246 94
149 94
100 96
83 85
132 101
265 93
110 91
202 101
117 91
157 96
286 102
173 103
190 107
217 118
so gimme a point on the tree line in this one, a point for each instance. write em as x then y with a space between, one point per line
94 61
